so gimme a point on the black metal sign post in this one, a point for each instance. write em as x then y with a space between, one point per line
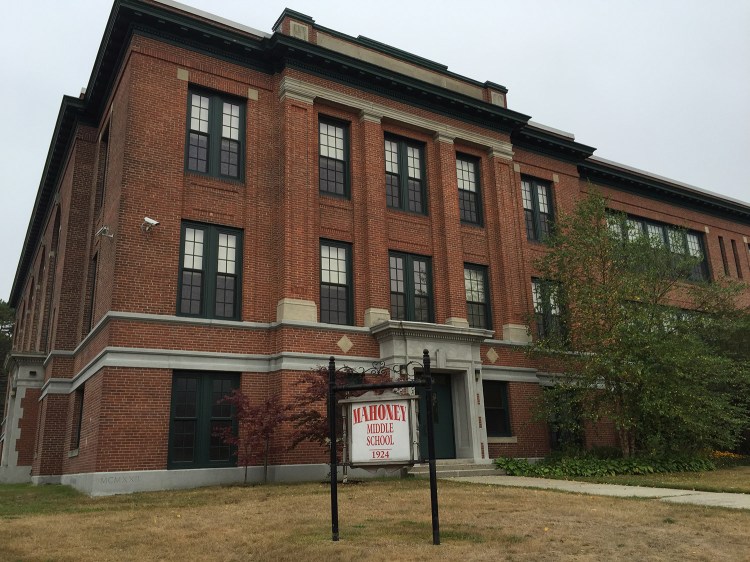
333 389
332 437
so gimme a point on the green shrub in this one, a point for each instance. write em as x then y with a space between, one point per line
591 466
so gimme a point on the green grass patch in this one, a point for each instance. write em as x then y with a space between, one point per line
17 500
684 473
577 467
732 479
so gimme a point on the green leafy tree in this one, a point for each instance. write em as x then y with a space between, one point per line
636 343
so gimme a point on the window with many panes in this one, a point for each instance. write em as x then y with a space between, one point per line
210 271
335 283
75 434
736 259
198 415
333 147
477 298
411 287
537 206
404 175
469 199
496 411
216 135
677 240
545 297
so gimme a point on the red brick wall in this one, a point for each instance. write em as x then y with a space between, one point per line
28 424
283 217
133 422
532 435
51 435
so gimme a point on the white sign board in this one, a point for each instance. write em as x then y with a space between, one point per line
380 432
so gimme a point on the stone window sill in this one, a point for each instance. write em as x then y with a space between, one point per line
502 439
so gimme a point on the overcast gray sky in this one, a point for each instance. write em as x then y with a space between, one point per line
661 85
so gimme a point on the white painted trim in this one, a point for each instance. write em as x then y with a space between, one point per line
295 87
168 319
139 358
505 342
47 479
15 474
509 374
494 440
110 483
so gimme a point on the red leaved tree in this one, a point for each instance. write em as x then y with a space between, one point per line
257 422
310 416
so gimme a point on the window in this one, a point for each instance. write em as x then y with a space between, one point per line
404 175
477 300
75 435
101 178
496 411
216 135
335 283
724 260
196 415
334 158
537 206
545 296
92 294
678 241
469 200
210 272
736 258
411 287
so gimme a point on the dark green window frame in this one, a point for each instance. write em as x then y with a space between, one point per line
496 408
336 298
411 290
677 240
75 434
545 296
469 189
333 157
215 136
405 176
210 275
538 208
477 296
195 415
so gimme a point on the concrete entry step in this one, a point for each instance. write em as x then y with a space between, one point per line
454 468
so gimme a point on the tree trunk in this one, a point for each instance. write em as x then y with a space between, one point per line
265 463
625 438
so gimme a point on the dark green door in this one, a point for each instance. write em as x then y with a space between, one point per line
442 415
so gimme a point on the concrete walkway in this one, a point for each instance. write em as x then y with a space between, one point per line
736 501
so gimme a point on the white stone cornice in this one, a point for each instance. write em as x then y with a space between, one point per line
426 330
288 91
142 358
299 89
370 116
494 153
442 137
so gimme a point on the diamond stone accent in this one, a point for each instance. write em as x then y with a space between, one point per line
345 344
492 355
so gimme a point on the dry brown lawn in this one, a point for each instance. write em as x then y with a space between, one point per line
379 520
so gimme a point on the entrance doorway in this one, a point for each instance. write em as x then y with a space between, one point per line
442 416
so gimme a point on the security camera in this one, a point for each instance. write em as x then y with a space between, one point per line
104 231
148 224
